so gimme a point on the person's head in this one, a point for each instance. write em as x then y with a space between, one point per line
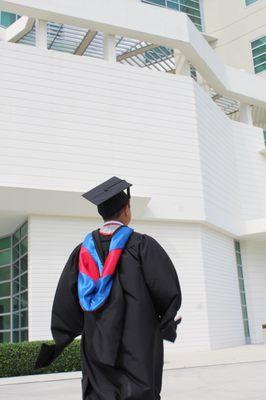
123 215
111 200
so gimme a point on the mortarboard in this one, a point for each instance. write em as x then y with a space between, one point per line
109 196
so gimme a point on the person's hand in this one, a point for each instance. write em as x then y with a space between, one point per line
177 317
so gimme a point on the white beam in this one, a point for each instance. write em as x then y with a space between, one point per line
41 34
157 25
182 65
109 47
245 113
18 29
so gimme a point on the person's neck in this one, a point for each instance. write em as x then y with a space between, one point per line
113 222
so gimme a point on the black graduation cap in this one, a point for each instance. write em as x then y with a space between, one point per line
109 196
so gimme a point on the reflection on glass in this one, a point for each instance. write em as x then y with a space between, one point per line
5 289
4 322
5 257
4 306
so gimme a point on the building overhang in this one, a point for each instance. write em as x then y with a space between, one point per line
18 203
255 229
157 25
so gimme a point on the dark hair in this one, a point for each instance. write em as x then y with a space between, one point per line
117 213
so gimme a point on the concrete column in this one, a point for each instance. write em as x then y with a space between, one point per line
182 64
109 47
41 34
245 113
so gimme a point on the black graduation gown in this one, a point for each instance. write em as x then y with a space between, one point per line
122 342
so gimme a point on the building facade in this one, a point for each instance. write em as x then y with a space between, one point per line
70 121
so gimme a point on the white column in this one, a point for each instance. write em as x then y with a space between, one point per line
109 47
245 113
41 34
181 63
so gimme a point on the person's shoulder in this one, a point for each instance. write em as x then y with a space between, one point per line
138 238
75 250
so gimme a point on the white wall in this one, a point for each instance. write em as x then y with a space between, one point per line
251 170
64 119
68 123
222 290
254 270
218 167
235 26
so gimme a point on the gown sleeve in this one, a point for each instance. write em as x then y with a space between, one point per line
67 315
163 284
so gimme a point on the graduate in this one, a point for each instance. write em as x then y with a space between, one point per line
120 291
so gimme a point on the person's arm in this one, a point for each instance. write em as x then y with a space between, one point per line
67 314
163 283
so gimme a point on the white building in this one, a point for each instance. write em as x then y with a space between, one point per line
153 99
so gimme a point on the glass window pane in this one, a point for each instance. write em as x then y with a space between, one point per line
24 319
24 300
24 230
259 50
4 322
15 252
24 263
24 282
241 285
246 329
16 285
240 272
237 245
248 2
190 11
16 336
5 289
260 59
5 257
238 259
15 320
7 18
15 303
190 3
244 312
16 236
24 246
173 5
243 298
258 42
4 337
260 68
24 335
4 306
5 273
15 269
5 243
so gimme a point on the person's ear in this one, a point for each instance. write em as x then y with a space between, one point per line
126 210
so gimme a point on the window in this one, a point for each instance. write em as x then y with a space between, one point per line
7 18
242 290
14 286
248 2
264 133
190 7
259 54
